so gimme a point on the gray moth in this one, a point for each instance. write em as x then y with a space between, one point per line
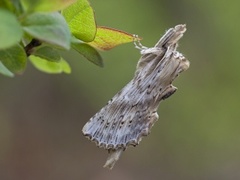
132 112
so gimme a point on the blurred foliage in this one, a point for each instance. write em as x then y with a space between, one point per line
26 25
197 135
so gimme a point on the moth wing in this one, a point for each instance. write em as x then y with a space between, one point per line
119 124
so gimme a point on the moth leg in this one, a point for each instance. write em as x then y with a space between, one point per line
153 119
144 49
138 44
150 122
168 92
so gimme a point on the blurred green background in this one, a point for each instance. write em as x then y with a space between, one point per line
197 136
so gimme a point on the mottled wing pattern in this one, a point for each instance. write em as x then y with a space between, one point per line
122 122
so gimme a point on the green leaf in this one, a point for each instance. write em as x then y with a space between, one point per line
88 52
6 4
80 18
47 53
5 71
10 29
107 38
14 58
48 27
45 5
50 67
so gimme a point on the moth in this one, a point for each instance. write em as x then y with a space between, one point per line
132 112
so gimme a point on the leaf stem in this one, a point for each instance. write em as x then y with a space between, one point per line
29 48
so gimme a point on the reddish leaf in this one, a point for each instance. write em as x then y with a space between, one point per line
107 38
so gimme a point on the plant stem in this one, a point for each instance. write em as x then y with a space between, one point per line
29 48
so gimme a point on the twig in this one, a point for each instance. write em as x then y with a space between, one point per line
29 48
